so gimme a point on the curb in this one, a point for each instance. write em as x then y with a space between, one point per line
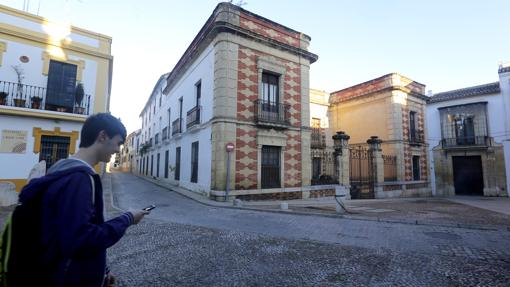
343 216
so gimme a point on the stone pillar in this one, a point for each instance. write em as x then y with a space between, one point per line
341 144
377 164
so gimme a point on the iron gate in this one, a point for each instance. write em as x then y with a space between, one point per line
360 173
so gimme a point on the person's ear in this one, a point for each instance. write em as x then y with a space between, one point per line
102 136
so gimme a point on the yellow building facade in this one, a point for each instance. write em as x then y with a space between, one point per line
52 77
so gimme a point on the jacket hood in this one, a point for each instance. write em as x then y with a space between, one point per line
57 171
67 163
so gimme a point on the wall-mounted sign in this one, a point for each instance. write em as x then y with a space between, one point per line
13 141
24 59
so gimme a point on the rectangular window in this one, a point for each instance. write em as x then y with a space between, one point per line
270 92
194 162
412 127
147 165
270 177
166 163
157 166
180 115
198 89
416 167
465 131
177 175
152 164
61 87
316 123
53 149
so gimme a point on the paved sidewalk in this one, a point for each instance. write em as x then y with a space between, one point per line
464 212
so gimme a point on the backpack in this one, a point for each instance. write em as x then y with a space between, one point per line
21 257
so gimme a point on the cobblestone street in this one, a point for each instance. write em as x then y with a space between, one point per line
185 243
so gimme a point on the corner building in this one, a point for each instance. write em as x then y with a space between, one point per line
243 80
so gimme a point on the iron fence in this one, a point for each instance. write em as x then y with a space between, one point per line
390 167
34 97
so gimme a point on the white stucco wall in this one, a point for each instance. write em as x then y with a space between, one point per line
201 70
17 166
54 29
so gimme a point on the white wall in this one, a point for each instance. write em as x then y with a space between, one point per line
17 166
57 30
201 70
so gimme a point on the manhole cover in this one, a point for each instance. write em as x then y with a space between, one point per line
443 235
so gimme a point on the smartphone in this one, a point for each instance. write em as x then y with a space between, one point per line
149 208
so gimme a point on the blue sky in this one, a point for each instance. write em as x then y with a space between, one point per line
443 44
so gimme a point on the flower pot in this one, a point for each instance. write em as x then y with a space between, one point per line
61 109
79 110
19 102
36 105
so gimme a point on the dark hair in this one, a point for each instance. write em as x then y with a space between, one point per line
101 122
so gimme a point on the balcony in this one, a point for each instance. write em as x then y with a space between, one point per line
272 114
176 127
468 141
416 137
164 134
193 117
34 97
318 138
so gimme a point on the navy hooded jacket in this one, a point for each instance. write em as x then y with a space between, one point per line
74 235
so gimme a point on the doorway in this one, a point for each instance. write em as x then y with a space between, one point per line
468 175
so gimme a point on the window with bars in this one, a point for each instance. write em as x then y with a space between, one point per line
54 148
194 162
270 176
416 167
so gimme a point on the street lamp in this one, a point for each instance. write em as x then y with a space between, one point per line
375 142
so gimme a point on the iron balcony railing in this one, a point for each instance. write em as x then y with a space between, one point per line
465 141
318 138
176 127
416 137
193 117
34 97
272 113
164 133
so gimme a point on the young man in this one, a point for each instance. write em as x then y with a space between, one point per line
74 235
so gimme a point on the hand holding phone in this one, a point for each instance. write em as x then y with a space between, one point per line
149 208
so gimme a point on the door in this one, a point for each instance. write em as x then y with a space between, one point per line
468 175
270 175
61 86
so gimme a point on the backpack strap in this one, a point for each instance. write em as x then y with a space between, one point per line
93 189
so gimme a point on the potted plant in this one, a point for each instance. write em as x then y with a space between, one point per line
18 100
36 102
3 98
78 98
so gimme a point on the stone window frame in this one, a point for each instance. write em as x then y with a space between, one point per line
271 65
